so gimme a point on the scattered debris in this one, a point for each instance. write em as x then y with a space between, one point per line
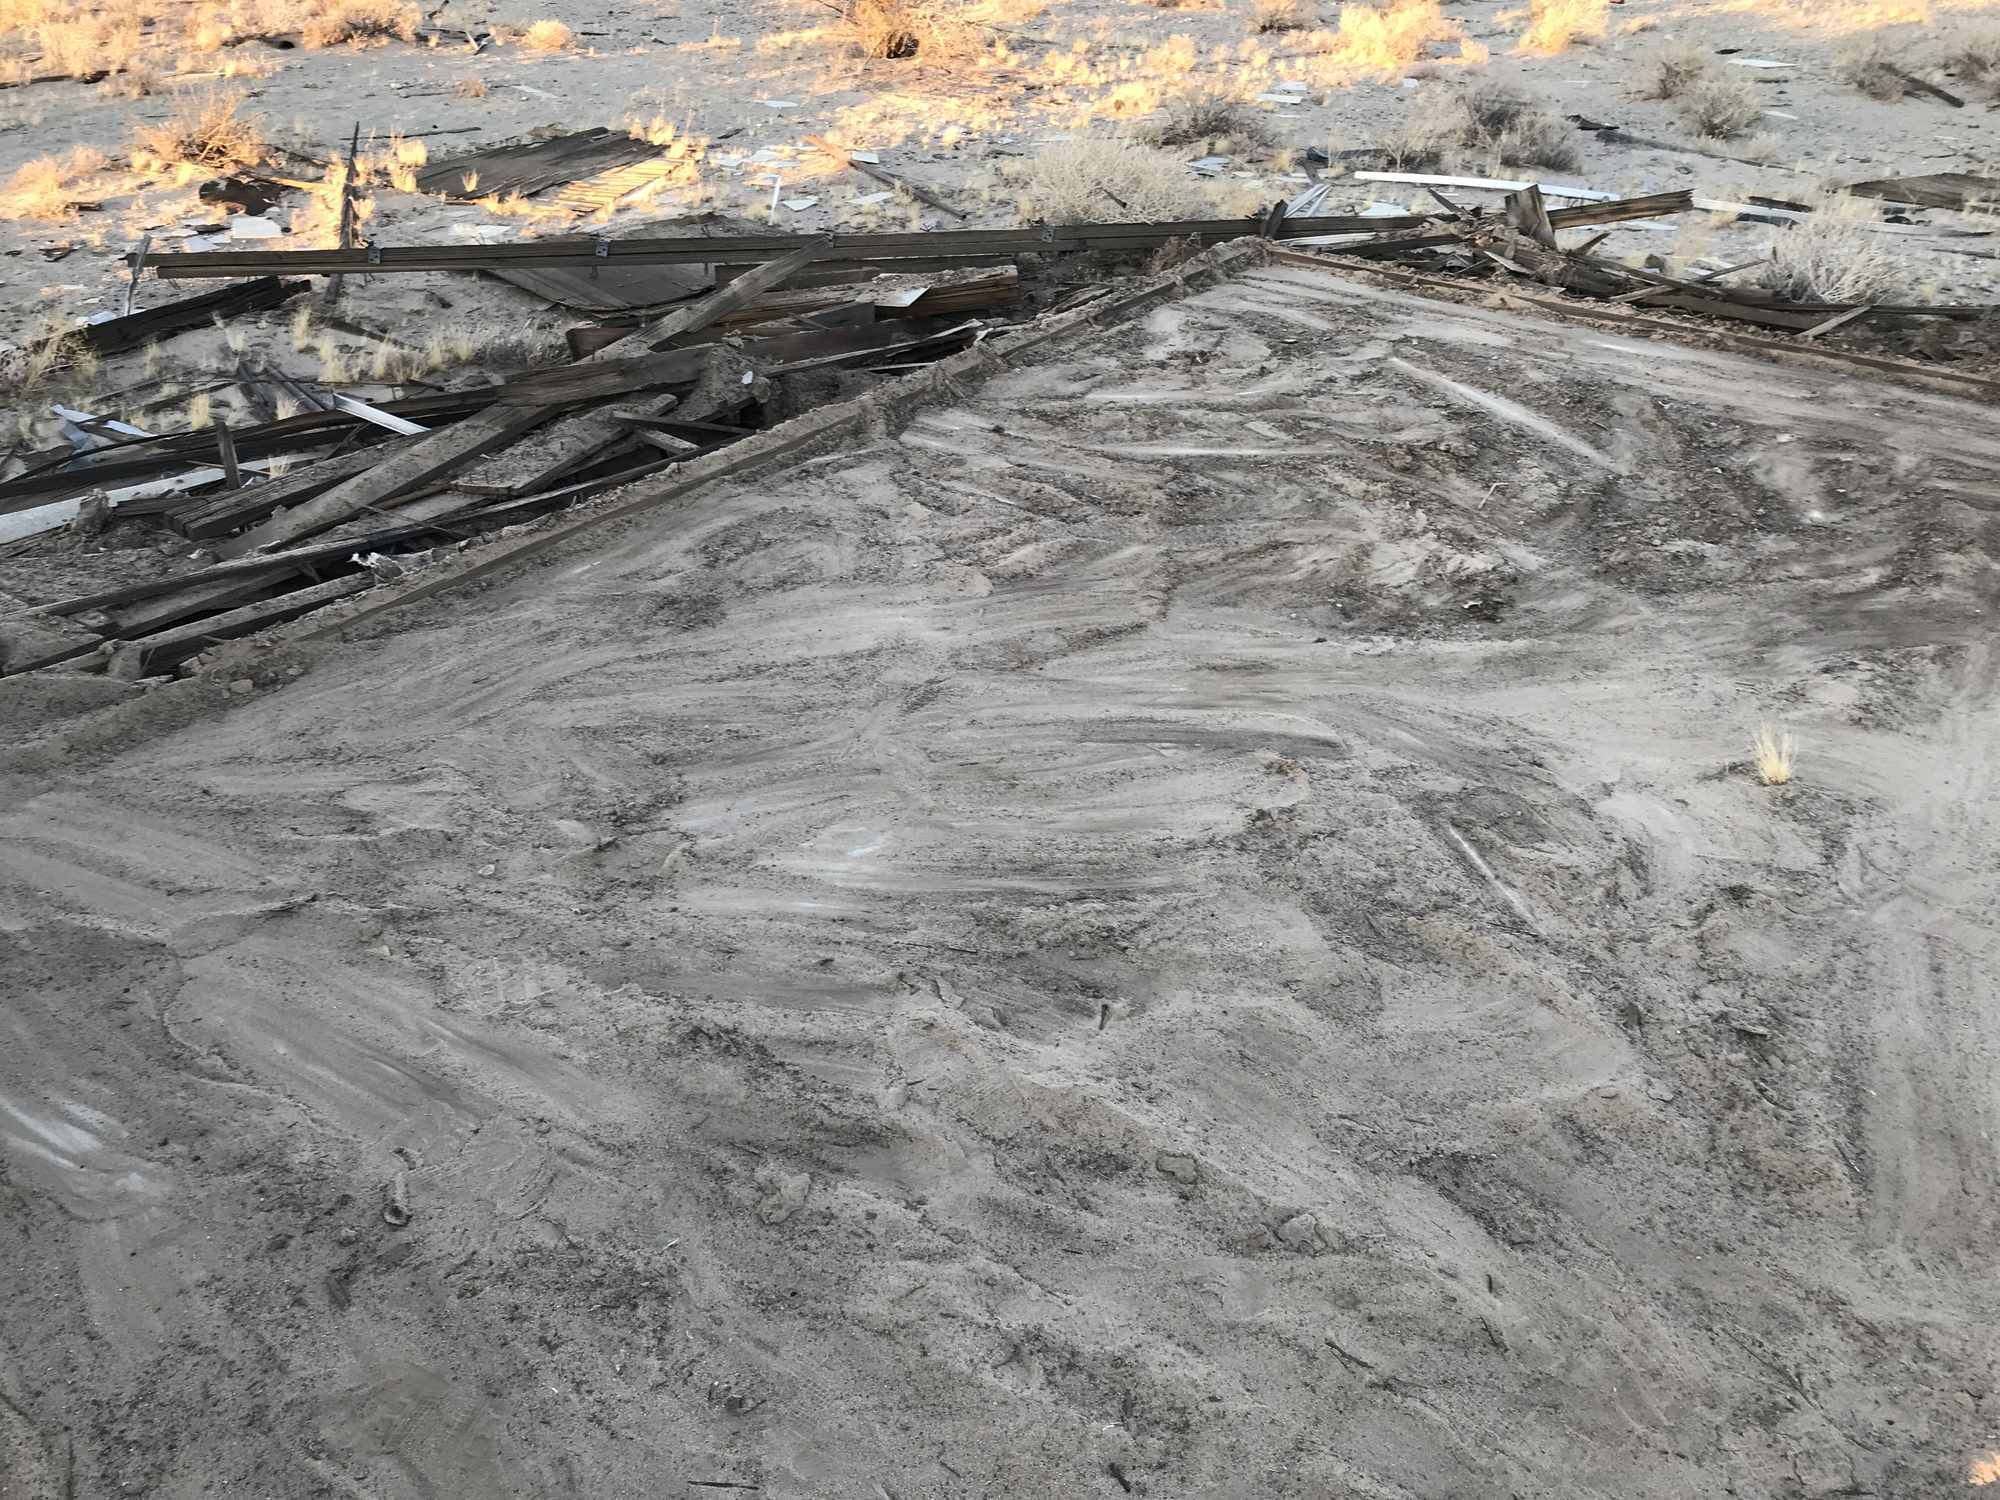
1962 191
503 171
1521 243
864 163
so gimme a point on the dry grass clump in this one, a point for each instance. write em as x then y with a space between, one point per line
547 35
134 83
1719 107
46 187
1974 56
1488 121
935 30
1383 43
361 21
53 353
1280 15
1554 24
1672 71
1871 66
208 133
1832 255
1211 121
1100 179
1771 755
76 41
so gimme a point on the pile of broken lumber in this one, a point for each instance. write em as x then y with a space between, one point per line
1520 241
380 482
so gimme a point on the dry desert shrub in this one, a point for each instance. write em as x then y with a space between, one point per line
1100 179
1771 755
1554 24
469 88
547 35
1974 56
78 43
46 187
1212 121
1872 67
359 21
1672 71
1719 107
934 30
208 132
51 354
1833 255
1382 42
1488 121
1280 15
134 83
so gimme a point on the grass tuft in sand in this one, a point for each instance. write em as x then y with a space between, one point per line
1771 756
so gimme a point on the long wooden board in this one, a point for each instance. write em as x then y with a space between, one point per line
749 248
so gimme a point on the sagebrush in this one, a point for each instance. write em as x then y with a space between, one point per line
1672 71
1489 121
1832 255
934 30
1719 107
1101 179
1553 25
1212 121
207 132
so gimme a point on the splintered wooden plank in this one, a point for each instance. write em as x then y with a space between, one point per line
165 648
1959 190
597 431
527 466
218 515
115 335
424 461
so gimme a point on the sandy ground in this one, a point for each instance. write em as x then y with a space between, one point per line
760 79
1193 922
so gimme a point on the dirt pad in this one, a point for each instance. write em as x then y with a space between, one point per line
1193 924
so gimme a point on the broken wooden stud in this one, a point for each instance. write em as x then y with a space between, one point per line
225 446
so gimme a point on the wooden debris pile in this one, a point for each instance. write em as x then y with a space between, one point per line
1520 241
297 512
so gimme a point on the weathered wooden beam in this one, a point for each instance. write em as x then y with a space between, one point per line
425 460
165 648
754 248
